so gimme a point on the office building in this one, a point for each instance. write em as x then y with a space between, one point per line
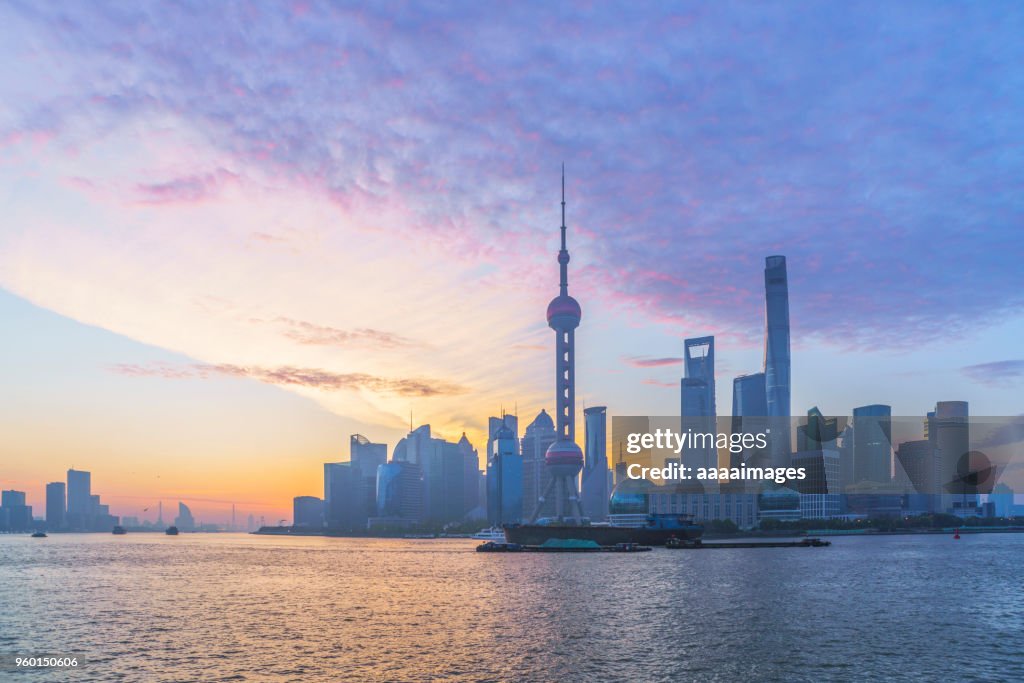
367 457
399 495
470 476
56 506
594 486
79 514
504 479
184 521
821 489
344 502
697 400
749 416
948 431
444 474
15 515
872 444
307 512
495 424
777 357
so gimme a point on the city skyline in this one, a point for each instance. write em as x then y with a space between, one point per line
217 268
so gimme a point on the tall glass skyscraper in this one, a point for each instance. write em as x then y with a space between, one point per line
697 399
504 479
595 464
872 444
776 357
56 505
749 411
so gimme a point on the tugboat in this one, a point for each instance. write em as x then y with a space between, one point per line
119 530
172 531
39 534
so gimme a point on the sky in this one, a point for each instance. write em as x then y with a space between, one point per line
233 234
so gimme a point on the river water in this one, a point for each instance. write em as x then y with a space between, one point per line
234 607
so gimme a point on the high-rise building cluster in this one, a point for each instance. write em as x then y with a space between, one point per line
70 506
429 481
853 466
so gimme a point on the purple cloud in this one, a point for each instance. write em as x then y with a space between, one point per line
187 189
998 373
650 362
877 145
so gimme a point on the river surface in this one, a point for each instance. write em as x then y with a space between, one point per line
234 607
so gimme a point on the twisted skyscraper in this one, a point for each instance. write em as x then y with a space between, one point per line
564 459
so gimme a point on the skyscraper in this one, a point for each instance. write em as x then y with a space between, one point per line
948 432
184 521
79 515
564 460
594 487
399 494
496 423
749 415
344 497
537 438
79 492
776 357
443 468
470 474
56 505
872 444
307 512
367 456
15 515
697 399
504 479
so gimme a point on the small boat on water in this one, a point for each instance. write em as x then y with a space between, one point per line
39 534
119 530
490 534
172 531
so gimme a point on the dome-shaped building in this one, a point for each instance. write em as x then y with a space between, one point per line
630 503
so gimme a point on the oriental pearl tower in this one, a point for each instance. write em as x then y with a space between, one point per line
564 459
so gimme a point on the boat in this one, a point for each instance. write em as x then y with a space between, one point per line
656 529
39 534
554 545
119 530
490 534
495 547
172 531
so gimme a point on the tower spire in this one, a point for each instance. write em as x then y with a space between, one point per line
563 253
563 206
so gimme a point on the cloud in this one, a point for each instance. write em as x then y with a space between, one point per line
719 133
193 188
290 376
997 373
637 362
323 335
410 162
660 383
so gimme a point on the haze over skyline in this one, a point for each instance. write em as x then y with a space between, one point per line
235 234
